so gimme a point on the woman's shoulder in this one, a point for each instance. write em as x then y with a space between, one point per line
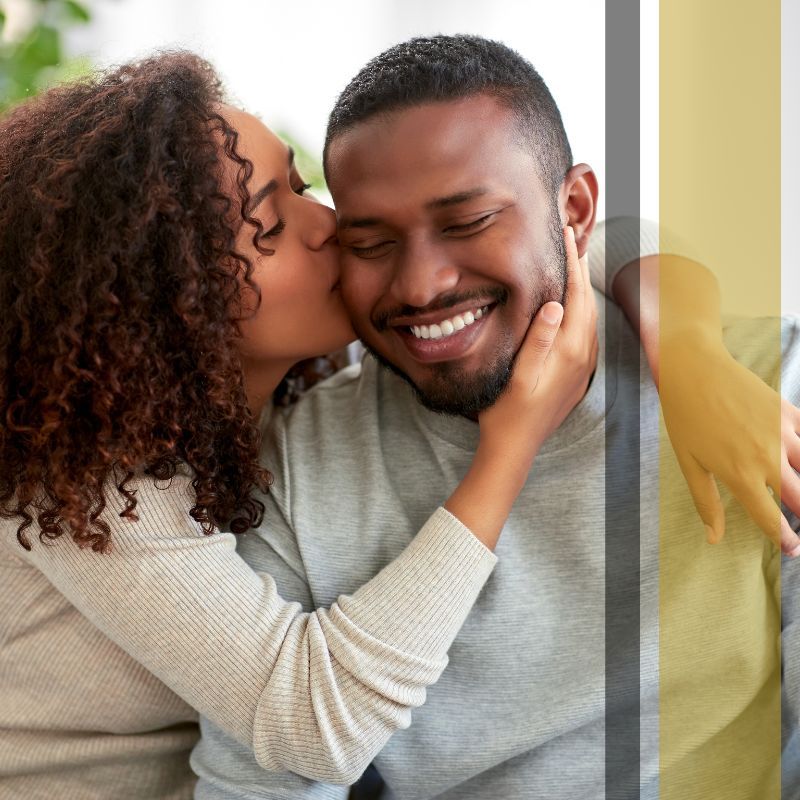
160 517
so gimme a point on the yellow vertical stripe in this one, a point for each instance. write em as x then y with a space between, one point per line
720 604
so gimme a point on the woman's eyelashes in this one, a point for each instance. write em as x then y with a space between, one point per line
280 225
276 229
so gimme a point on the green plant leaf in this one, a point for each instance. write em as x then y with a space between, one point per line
41 47
77 11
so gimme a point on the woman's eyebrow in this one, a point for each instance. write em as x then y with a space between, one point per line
269 188
263 192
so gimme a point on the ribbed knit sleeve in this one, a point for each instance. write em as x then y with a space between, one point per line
618 241
379 647
189 609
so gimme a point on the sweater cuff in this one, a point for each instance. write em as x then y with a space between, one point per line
616 243
419 601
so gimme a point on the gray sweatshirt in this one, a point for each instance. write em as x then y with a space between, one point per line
521 712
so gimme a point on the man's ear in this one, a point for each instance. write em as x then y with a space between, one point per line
577 203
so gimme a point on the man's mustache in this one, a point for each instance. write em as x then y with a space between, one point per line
384 319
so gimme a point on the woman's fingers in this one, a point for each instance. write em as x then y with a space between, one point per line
762 509
756 500
576 283
790 422
790 541
790 417
537 344
789 491
579 328
705 495
793 451
790 488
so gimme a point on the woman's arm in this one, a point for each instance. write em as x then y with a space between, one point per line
190 609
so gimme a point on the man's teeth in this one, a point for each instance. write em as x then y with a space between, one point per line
449 326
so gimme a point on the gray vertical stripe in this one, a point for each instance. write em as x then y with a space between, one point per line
622 453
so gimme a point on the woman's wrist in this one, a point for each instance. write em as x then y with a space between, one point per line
485 496
510 456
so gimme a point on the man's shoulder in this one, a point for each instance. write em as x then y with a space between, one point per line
351 386
335 414
341 382
769 347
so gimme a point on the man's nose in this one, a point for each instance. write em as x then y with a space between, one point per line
422 273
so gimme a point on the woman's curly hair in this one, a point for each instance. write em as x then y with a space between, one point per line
120 296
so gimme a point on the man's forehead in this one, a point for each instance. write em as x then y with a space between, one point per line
423 132
450 146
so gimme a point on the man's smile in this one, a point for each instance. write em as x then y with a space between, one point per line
443 335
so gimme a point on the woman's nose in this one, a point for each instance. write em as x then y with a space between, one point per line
320 226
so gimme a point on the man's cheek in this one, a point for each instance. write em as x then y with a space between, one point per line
350 287
362 290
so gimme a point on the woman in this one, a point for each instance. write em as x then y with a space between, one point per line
161 272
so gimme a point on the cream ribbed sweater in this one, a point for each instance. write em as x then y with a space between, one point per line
80 717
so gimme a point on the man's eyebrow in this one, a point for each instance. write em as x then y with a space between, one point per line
267 190
346 223
439 202
456 199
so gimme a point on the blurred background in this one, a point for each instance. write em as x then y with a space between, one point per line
287 63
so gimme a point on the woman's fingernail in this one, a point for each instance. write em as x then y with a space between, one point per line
710 535
551 313
795 552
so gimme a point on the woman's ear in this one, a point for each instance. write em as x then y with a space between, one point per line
577 202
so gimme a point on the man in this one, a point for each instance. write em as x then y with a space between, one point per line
452 176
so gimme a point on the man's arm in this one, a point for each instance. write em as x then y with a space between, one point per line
790 596
228 771
790 685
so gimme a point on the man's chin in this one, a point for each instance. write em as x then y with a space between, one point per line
450 390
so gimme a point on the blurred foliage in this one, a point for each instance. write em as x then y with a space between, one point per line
32 58
32 54
309 166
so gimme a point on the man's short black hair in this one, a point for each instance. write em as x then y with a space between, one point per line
440 68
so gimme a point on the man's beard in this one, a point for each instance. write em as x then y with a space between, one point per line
451 390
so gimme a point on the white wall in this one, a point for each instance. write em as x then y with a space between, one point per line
790 156
288 62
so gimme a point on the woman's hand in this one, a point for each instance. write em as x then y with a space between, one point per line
552 369
722 421
721 418
551 372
